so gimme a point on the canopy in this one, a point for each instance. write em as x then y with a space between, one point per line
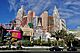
30 25
27 31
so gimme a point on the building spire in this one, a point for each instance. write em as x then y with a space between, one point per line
56 12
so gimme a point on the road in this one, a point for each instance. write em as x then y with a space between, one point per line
38 51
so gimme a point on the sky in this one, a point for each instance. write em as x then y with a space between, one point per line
68 9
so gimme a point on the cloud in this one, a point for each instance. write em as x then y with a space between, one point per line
38 6
73 22
65 10
46 6
12 4
72 3
67 13
74 7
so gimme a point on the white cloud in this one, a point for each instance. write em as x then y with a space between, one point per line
76 3
74 21
37 7
72 3
67 3
76 8
46 5
65 10
12 4
77 13
67 13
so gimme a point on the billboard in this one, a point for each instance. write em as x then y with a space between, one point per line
15 34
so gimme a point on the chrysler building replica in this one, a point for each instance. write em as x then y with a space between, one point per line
59 23
19 16
56 19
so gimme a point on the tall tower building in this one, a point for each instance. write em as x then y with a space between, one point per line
30 16
56 19
19 16
50 24
44 17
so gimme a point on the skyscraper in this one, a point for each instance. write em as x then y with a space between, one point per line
56 19
30 16
50 24
19 16
44 17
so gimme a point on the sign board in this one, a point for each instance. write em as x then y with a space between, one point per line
16 34
27 31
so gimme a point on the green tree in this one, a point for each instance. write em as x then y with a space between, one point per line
49 42
57 35
60 34
69 38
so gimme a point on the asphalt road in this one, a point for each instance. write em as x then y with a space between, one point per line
38 51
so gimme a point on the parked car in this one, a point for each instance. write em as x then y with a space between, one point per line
0 47
13 47
5 47
71 49
56 48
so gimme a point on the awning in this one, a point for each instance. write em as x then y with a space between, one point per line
27 31
30 25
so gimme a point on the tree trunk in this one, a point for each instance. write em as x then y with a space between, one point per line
71 44
57 42
57 38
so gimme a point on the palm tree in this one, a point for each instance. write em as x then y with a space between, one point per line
57 35
63 33
60 34
69 38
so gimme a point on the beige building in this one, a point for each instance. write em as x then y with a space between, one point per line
30 16
19 16
44 17
50 24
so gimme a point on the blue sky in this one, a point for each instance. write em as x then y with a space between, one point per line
68 9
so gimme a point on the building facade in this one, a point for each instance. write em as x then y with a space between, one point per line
44 17
50 27
56 19
30 16
19 16
62 24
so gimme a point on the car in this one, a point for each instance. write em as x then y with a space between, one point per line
71 49
5 47
13 47
0 47
56 48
